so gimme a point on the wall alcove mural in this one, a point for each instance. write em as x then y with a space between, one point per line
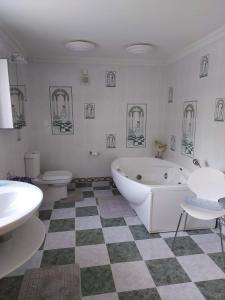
136 125
61 105
18 99
188 128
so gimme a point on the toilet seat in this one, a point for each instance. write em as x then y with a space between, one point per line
54 178
57 175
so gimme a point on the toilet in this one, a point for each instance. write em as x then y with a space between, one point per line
52 183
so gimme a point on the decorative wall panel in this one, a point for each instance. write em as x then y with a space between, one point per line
18 99
170 94
219 110
110 79
172 143
188 128
204 66
89 111
110 140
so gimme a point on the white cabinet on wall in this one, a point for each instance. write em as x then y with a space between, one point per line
6 119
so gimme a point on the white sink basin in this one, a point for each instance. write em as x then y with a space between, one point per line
18 202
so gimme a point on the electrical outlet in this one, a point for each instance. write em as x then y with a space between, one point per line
2 176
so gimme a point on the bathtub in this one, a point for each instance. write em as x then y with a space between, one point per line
154 189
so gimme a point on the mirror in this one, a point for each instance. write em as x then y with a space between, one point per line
18 95
6 120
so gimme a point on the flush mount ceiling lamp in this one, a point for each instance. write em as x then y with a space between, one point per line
80 45
139 48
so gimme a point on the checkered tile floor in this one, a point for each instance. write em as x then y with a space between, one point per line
119 259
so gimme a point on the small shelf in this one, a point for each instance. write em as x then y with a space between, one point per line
25 241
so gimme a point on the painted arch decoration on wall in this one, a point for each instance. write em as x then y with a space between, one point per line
61 105
136 125
18 99
188 128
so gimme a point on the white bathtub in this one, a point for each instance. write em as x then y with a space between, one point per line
155 188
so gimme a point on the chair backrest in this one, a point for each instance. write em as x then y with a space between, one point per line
207 183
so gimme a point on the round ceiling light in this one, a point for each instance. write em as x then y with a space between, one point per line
139 48
80 45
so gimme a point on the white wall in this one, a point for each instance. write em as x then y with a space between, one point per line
11 150
184 77
134 84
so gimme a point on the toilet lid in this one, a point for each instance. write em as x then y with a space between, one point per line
56 175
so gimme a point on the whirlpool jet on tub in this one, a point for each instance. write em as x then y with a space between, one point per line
155 188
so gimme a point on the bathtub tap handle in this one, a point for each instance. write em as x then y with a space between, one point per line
139 177
196 162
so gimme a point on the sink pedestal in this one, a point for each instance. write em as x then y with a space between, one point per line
25 241
5 237
21 232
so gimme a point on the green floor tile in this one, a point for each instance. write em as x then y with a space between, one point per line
167 271
89 237
97 280
147 294
123 252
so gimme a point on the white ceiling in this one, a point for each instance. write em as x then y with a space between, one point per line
42 27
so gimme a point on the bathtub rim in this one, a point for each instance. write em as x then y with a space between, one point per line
153 186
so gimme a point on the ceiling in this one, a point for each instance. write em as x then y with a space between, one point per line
42 27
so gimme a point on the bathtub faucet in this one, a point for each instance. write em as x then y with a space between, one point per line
196 162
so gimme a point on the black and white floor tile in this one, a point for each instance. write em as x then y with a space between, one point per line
119 259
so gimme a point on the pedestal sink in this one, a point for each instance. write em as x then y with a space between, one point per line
18 203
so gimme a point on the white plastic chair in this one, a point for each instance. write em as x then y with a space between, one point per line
209 186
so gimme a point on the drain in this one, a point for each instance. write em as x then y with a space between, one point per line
139 177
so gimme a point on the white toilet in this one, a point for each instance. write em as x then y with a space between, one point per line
52 183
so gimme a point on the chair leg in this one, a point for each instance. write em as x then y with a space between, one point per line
221 240
178 225
185 222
